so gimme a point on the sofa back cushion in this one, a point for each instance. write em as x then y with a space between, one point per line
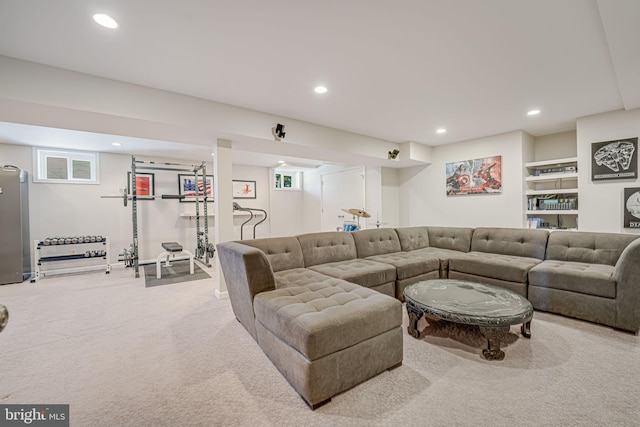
453 238
510 241
284 253
592 248
331 246
376 242
412 238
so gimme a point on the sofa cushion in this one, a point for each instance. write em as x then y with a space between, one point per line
364 272
376 242
409 264
510 241
593 248
300 277
503 267
284 253
325 247
320 318
412 238
453 238
590 279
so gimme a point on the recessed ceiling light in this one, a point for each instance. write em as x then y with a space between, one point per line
320 89
116 144
533 112
280 161
105 20
441 130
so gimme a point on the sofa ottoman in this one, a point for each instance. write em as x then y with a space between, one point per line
326 337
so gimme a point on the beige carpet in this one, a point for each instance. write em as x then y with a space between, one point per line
122 354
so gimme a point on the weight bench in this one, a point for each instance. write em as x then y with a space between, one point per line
171 250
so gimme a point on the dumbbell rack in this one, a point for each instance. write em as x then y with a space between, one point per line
72 251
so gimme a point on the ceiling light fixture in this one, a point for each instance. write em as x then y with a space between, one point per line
533 113
441 130
280 161
105 20
116 144
320 89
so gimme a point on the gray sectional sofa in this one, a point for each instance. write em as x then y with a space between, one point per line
326 307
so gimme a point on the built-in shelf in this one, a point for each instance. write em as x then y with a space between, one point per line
555 191
551 163
551 177
554 212
542 182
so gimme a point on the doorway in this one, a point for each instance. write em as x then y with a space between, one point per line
341 190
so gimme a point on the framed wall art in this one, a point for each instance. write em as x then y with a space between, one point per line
477 176
617 159
145 186
189 188
244 189
631 207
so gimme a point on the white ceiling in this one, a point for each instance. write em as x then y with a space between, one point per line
396 70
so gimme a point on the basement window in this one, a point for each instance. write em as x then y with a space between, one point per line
69 167
286 180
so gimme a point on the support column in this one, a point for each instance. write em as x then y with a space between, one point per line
223 206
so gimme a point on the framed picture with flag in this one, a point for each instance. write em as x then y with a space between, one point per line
189 188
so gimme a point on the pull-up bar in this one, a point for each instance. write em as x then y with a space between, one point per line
151 162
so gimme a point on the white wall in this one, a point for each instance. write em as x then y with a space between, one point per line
556 146
601 203
390 213
422 189
311 201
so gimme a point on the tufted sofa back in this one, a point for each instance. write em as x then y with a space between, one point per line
325 247
283 253
510 241
412 238
454 238
592 248
376 242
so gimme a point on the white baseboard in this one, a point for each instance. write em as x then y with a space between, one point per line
221 295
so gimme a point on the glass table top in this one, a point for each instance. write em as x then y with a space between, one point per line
467 302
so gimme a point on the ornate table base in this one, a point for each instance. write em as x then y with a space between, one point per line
4 317
436 299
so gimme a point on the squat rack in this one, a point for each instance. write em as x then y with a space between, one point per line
203 249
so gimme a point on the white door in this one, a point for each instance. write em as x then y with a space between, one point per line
341 190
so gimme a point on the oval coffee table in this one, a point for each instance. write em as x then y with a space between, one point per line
490 308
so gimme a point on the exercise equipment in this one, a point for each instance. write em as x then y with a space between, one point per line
237 207
199 173
204 250
171 250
